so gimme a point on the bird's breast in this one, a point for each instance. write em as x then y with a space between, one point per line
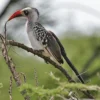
33 40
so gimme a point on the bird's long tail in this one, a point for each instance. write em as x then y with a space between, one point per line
73 68
66 58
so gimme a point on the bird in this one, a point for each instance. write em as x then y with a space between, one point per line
44 40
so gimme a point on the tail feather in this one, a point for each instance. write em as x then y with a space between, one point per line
73 68
66 58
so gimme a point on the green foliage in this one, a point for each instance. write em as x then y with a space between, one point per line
63 89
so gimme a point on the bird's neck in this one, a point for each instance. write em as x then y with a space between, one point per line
33 19
30 24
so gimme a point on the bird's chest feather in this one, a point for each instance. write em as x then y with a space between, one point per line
41 35
33 38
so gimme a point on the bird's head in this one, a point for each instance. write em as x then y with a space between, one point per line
29 12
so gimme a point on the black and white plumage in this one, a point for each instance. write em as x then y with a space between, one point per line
41 39
45 41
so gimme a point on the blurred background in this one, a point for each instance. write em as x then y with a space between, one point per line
77 25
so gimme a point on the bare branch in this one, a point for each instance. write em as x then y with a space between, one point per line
10 88
36 77
38 53
23 75
11 66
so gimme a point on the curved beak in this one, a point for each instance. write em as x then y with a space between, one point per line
16 14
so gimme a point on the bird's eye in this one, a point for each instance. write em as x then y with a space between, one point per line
26 12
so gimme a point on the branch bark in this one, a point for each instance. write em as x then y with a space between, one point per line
38 53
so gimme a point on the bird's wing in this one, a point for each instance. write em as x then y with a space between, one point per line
54 48
49 42
60 45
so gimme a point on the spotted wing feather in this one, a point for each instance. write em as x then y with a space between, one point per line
48 41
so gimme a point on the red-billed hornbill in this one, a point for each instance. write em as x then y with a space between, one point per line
41 39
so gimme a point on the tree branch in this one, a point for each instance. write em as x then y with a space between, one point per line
38 53
11 66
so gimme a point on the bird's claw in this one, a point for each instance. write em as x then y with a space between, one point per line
40 51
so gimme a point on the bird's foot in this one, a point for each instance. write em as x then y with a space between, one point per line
41 50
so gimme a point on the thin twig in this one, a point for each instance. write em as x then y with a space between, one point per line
24 77
73 96
36 77
10 88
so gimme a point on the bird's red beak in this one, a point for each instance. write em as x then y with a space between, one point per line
16 14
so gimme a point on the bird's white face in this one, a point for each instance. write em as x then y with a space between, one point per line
29 12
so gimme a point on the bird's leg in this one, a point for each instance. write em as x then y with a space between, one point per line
43 53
